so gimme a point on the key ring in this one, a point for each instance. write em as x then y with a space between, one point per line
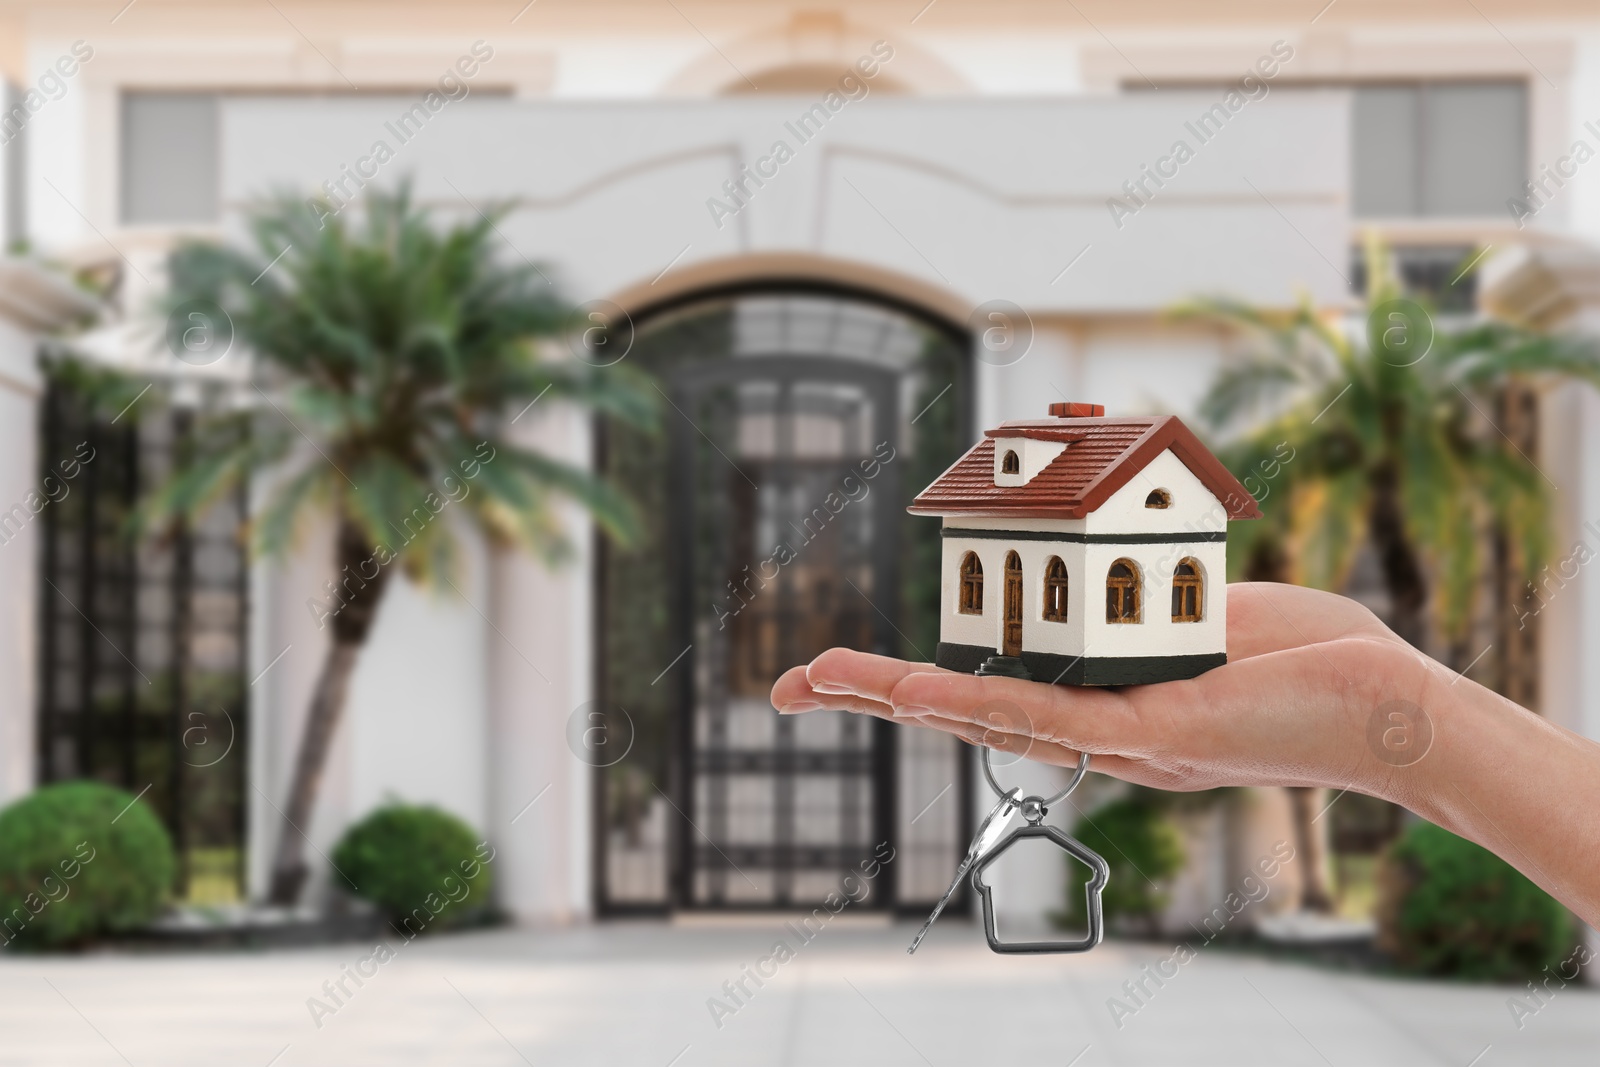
1033 810
1077 777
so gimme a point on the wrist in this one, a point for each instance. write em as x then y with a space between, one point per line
1459 734
1410 722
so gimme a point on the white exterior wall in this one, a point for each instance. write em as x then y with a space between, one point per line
416 722
1086 632
1059 638
1156 634
1193 510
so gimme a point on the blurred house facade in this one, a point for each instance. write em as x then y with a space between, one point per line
975 210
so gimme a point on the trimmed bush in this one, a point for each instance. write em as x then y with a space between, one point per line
69 872
1454 908
1141 845
421 866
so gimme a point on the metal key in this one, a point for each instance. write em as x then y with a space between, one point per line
989 831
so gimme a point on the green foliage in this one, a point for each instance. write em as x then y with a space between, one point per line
420 865
1458 909
1404 416
389 356
1142 846
79 859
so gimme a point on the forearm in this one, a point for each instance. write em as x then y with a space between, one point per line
1513 782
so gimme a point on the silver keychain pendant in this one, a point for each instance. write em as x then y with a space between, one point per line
987 845
1034 810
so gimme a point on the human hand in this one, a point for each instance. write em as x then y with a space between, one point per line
1306 698
1305 671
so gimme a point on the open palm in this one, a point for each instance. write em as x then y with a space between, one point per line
1306 671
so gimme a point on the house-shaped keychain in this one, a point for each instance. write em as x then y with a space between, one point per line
1085 550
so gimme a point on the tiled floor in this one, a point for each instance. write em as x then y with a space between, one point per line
640 995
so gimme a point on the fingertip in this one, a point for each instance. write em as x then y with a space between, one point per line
790 687
831 666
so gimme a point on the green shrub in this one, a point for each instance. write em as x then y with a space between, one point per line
1142 846
79 859
421 866
1454 908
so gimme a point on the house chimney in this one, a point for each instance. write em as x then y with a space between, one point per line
1077 411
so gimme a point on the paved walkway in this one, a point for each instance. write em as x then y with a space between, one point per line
635 995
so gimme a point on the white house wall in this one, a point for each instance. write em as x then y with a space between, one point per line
415 728
1086 632
1038 635
614 193
1194 509
419 698
1156 634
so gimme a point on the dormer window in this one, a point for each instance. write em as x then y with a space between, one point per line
1158 498
1019 459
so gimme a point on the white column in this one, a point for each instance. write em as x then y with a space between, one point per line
541 666
33 302
1569 620
19 553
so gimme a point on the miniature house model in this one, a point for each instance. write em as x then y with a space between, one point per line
1085 550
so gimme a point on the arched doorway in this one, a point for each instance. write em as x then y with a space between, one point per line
799 419
1011 637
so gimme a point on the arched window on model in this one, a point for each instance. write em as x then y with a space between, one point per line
1010 464
1158 498
970 601
1188 592
1122 592
1055 590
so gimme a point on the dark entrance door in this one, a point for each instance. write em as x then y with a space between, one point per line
1012 641
787 517
796 425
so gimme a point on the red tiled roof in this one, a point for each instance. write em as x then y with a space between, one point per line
1036 432
1102 455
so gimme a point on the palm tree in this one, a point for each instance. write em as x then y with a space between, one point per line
389 357
1390 444
1393 445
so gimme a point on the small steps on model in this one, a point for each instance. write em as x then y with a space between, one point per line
1004 667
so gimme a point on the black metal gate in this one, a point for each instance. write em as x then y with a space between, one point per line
142 641
797 423
786 517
